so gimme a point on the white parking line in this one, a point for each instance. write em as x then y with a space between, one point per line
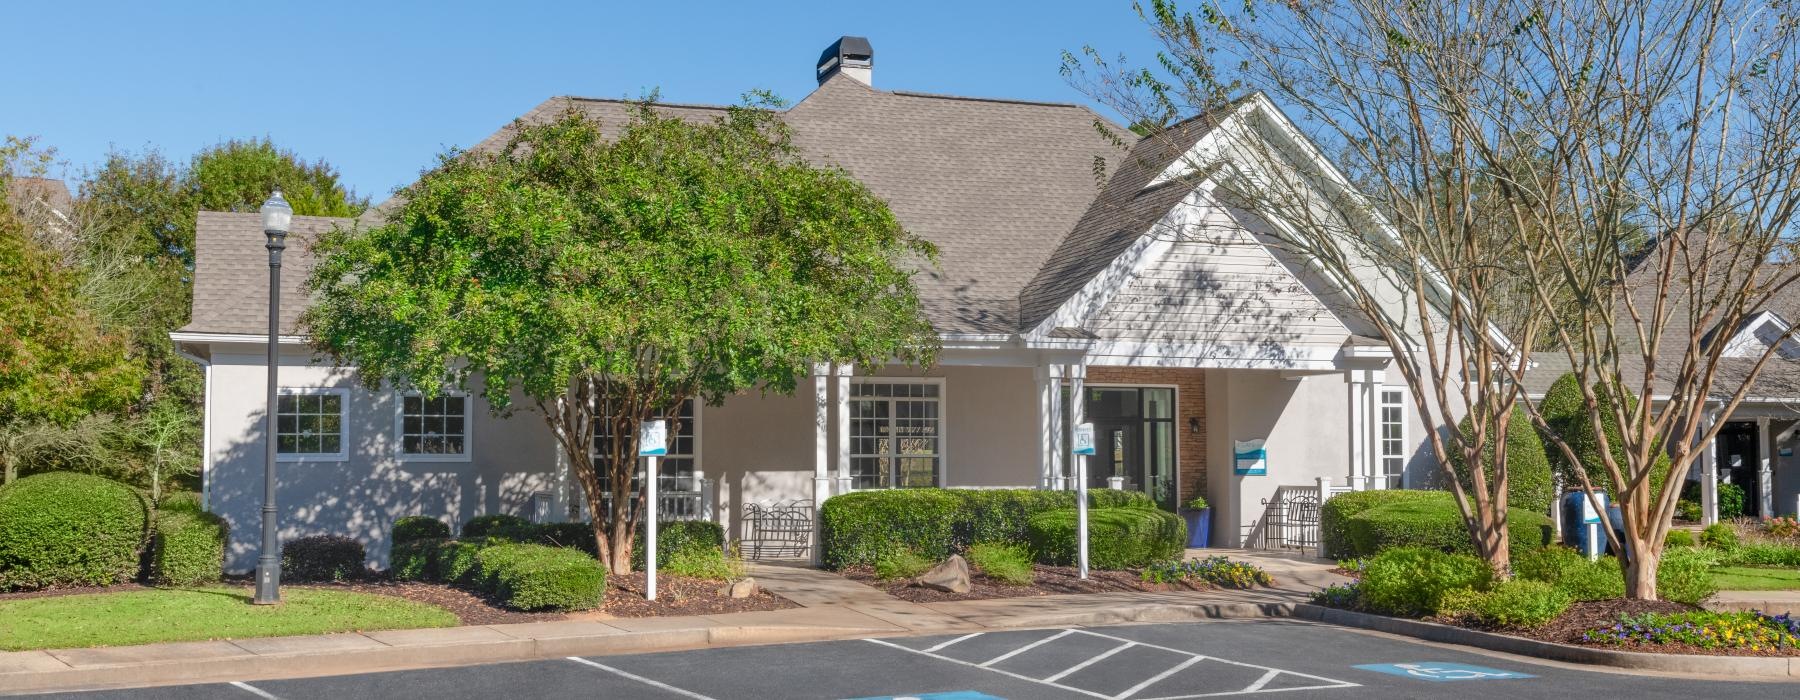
253 690
646 681
1260 685
940 647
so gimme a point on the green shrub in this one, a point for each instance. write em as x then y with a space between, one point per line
1685 576
484 525
323 558
188 548
1731 501
1335 514
900 564
1719 536
540 577
574 535
68 529
1528 484
184 501
416 560
1118 538
1435 522
1566 569
1688 510
1007 563
1763 553
1460 602
855 528
1521 603
694 539
701 563
1678 538
418 527
455 561
1563 410
1413 581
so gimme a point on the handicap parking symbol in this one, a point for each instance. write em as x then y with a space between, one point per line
954 695
1443 671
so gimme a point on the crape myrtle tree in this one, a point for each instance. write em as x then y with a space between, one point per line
607 280
1528 150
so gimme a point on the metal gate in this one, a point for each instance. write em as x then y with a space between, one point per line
777 530
1291 521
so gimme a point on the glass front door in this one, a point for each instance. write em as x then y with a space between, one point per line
1134 436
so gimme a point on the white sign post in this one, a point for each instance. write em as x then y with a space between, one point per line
653 442
1084 446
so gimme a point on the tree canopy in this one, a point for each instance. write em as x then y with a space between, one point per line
610 280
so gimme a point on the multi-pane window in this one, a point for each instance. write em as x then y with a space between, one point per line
1393 437
434 427
309 423
677 467
896 434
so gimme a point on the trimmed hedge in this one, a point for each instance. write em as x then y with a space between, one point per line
540 577
484 525
1335 514
1566 569
1118 538
188 548
68 529
1563 412
691 538
418 527
1417 581
1433 521
1528 484
323 558
857 528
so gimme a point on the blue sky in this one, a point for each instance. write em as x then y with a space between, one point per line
379 88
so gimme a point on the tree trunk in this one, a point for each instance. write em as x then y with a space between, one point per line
1640 572
1494 543
615 547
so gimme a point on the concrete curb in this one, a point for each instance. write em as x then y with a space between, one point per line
1692 664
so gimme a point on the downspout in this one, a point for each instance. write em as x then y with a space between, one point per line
206 456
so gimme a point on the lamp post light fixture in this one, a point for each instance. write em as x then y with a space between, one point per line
276 216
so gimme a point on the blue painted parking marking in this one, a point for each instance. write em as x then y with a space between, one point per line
1441 671
953 695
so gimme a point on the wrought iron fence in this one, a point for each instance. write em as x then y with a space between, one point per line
1291 520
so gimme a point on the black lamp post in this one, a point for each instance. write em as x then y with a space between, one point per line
276 215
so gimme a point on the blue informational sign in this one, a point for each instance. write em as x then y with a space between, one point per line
653 439
1250 458
1084 439
953 695
1443 671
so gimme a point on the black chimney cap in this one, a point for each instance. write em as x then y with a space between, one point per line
852 47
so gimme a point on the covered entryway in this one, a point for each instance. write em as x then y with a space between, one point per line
1134 431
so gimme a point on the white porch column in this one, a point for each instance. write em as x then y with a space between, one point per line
1372 383
821 442
1077 409
1049 382
1359 433
842 375
1765 469
1709 476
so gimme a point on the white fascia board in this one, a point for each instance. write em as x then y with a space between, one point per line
188 337
1746 343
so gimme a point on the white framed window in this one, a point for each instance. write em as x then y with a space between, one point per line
433 429
896 432
1393 437
677 467
309 424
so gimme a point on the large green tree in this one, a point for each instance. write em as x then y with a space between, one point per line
609 281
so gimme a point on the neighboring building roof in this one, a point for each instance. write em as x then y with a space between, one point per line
50 194
997 185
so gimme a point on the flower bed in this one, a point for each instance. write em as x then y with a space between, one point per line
1701 631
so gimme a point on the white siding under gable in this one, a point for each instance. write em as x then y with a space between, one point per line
1219 290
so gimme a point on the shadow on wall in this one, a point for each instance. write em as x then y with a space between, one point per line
361 495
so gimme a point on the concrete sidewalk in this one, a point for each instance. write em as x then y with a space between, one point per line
832 608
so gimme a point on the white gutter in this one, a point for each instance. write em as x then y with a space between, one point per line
186 337
206 456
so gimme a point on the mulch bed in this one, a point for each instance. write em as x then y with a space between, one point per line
676 595
1049 580
469 608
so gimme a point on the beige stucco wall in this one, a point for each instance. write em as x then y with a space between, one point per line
1305 422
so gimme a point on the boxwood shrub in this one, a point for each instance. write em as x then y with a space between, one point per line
484 525
1118 538
1434 521
188 548
857 528
540 577
323 558
1335 514
68 529
686 538
418 527
1528 481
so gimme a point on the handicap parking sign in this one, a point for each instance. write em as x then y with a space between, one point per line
1444 671
955 695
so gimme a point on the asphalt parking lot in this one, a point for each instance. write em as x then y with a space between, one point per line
1137 662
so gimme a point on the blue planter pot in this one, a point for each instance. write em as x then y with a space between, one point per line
1199 526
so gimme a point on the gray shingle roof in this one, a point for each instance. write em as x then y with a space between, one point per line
997 185
231 272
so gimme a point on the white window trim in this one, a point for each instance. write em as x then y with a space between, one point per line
1381 454
343 453
943 417
468 433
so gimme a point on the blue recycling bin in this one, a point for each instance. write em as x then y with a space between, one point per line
1576 531
1199 526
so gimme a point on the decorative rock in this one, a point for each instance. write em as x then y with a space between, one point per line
951 576
741 588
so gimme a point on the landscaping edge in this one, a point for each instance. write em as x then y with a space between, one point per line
1767 667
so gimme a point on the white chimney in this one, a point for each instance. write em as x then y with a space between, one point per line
850 55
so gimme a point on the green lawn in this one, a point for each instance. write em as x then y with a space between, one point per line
188 614
1750 578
